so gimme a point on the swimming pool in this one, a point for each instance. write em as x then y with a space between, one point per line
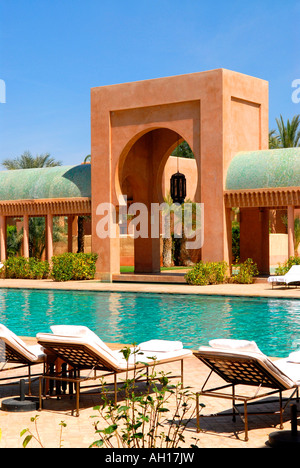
135 317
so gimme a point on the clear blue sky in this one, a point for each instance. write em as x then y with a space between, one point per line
53 51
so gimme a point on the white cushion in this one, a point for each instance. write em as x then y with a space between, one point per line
238 345
295 269
163 346
289 368
276 279
294 357
114 359
32 352
81 331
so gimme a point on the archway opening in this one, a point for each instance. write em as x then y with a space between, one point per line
144 179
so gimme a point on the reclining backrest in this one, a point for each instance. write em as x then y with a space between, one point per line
13 348
240 368
294 270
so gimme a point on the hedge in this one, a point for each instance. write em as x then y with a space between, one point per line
25 268
204 273
74 266
65 267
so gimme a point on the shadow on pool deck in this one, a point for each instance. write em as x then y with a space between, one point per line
217 432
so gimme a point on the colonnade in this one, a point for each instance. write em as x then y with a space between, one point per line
72 221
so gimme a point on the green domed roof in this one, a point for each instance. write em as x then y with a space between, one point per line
48 182
264 169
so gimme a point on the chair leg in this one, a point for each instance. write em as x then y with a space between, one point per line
115 389
233 404
29 380
77 397
197 413
41 380
246 421
281 411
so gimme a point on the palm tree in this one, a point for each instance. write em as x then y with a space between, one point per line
37 235
183 151
288 135
14 241
27 161
273 140
167 241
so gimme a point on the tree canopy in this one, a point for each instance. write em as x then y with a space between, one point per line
287 134
27 161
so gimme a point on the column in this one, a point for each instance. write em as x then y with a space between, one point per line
228 236
291 231
71 220
49 237
254 237
2 238
26 236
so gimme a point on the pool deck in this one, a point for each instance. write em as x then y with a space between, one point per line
257 289
218 432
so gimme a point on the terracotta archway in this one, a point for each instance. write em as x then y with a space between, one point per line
218 112
142 167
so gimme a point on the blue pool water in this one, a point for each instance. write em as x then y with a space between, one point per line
135 317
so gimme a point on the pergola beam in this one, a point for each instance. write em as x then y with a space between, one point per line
263 198
56 207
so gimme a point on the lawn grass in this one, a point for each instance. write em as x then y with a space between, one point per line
130 269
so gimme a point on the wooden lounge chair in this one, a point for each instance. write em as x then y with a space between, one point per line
13 350
81 349
247 368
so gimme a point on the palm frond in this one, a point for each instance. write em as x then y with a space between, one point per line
27 161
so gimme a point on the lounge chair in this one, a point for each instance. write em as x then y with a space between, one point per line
80 349
14 350
292 276
240 362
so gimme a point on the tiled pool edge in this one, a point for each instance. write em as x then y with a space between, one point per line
249 290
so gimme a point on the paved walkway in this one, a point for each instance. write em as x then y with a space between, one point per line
218 432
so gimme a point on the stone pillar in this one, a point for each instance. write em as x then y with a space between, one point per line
49 237
291 231
2 238
71 221
254 237
228 224
26 236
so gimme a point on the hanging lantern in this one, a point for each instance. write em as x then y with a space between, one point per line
178 188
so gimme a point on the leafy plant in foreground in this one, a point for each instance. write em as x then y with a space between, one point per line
245 272
30 435
144 420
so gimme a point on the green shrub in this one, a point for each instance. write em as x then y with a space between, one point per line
235 240
204 273
283 268
245 272
25 268
157 418
74 266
